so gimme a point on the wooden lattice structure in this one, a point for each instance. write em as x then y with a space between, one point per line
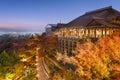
93 24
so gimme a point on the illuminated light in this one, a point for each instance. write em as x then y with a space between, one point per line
24 59
36 64
37 57
37 75
36 60
9 76
37 69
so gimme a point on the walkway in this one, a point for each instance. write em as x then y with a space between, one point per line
41 71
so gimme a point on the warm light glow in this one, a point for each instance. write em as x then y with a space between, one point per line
37 75
9 76
24 59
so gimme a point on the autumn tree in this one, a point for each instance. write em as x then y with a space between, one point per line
99 60
48 44
67 75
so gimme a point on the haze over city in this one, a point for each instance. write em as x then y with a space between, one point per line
34 15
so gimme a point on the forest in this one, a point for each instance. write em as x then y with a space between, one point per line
17 57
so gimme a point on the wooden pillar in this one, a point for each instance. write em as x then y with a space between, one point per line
92 32
110 32
79 32
105 31
88 32
84 33
76 32
95 32
102 32
70 32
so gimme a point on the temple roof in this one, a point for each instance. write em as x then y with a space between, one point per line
97 22
104 15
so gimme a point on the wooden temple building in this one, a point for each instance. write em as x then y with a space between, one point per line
92 24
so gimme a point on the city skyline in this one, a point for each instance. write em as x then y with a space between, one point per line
29 15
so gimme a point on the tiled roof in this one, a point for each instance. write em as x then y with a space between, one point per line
101 22
107 13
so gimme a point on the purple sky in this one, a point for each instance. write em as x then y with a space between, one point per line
34 15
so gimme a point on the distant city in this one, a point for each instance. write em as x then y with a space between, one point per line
18 33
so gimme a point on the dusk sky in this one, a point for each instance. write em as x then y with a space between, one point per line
34 15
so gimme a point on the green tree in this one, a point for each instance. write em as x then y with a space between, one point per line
4 58
14 58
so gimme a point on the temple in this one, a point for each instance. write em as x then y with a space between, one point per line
92 24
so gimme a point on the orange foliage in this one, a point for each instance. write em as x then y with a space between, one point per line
41 53
100 60
48 41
